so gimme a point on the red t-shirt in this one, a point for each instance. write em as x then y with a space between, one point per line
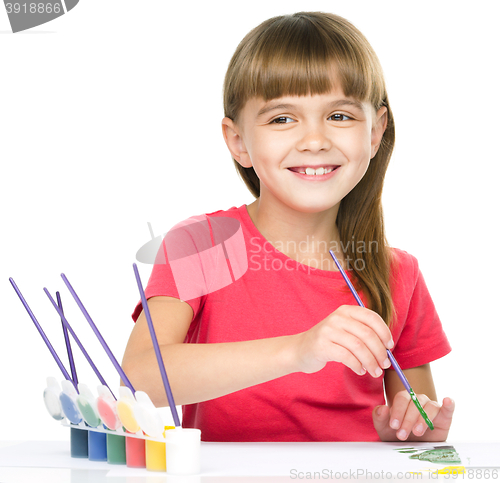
242 288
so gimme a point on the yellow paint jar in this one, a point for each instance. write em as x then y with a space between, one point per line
156 459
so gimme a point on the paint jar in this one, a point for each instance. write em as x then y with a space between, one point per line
79 443
51 398
87 405
115 446
106 407
68 402
183 451
156 453
135 449
97 446
155 456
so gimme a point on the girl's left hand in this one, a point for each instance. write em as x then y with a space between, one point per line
403 421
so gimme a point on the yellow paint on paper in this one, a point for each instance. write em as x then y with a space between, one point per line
452 470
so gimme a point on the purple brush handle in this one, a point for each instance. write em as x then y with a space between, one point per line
42 333
400 373
77 340
159 358
99 336
68 343
394 363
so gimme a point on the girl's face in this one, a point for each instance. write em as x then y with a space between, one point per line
327 133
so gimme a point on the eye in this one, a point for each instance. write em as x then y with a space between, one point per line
340 117
278 120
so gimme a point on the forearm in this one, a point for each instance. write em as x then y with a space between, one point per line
199 372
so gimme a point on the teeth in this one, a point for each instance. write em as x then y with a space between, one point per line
318 171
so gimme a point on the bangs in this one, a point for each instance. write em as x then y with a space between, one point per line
301 54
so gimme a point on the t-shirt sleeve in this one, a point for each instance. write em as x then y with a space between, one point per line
198 256
422 338
183 266
162 283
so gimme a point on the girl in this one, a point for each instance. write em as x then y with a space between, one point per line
261 337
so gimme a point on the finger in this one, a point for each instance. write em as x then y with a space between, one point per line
445 415
413 420
372 341
339 353
431 408
373 320
399 407
358 349
380 416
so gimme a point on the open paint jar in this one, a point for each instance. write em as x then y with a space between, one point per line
183 451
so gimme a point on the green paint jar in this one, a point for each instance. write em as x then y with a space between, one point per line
115 445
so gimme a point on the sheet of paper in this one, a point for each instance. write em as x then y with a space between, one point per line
291 460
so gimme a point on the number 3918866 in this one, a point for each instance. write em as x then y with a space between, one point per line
55 7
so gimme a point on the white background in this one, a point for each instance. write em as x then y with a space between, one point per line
110 118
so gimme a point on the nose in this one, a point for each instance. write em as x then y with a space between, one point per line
314 138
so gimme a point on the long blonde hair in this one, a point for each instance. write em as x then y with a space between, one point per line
292 55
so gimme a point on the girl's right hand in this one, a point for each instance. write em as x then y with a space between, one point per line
355 336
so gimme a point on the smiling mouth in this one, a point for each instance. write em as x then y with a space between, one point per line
314 171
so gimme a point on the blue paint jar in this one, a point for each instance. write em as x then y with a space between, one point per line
70 408
97 446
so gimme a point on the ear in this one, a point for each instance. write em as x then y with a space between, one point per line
378 129
235 143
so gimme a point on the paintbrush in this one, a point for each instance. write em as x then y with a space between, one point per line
97 333
159 358
42 333
394 363
68 343
77 340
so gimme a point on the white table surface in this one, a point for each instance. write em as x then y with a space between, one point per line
50 461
